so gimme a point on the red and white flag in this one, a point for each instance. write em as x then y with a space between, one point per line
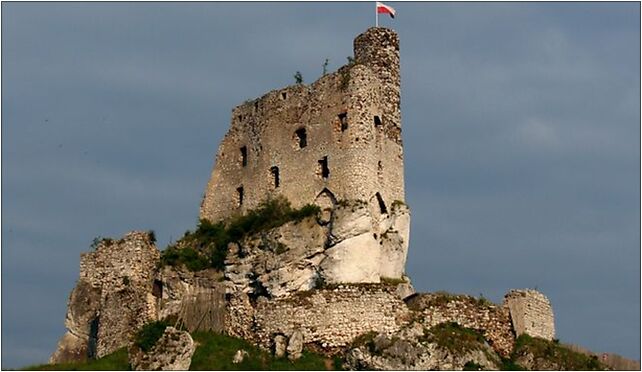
383 8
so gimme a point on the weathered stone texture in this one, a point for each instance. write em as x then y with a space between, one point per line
531 313
492 320
172 352
352 247
112 299
195 299
351 119
329 318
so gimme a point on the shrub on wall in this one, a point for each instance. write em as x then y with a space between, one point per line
206 247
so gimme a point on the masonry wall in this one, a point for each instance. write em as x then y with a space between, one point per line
328 318
363 157
492 320
531 313
112 299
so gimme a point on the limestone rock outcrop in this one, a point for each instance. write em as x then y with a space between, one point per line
172 352
353 246
412 348
295 345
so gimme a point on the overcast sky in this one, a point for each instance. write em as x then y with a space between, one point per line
521 130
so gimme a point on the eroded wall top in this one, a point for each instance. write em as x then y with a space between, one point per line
338 138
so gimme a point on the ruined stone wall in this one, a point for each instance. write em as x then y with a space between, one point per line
364 154
329 318
531 313
492 320
196 300
112 299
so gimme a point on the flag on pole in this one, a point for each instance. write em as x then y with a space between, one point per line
383 8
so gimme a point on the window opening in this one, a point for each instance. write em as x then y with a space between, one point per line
382 205
239 192
323 168
302 137
244 156
377 121
284 95
343 119
256 106
157 289
275 174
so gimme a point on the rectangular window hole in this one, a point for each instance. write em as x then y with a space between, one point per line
377 121
343 119
275 175
324 171
239 196
284 95
244 156
302 137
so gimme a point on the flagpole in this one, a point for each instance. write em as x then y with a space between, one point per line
376 16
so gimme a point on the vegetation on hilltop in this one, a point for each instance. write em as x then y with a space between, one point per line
116 361
545 354
206 247
214 352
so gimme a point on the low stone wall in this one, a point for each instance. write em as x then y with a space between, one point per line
329 318
494 321
531 313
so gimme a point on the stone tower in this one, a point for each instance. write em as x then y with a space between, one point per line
335 141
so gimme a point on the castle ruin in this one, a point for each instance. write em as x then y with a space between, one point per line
323 280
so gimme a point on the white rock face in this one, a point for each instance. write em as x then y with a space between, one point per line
351 219
394 242
172 352
355 260
353 243
295 345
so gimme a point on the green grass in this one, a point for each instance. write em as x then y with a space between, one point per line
116 361
216 352
553 352
206 247
213 352
455 338
147 336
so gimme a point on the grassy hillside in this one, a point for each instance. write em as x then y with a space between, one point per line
116 361
214 352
